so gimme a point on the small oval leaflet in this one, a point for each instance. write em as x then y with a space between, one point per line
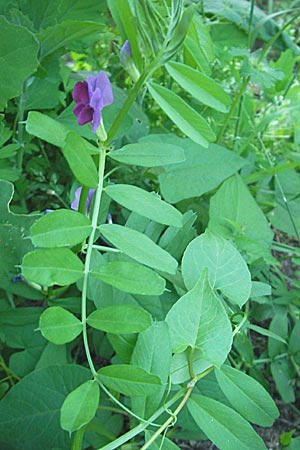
59 326
61 228
120 319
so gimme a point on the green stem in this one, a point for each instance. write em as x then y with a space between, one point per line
78 439
129 101
102 156
232 109
142 426
21 128
169 420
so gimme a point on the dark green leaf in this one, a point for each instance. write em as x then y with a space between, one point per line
18 60
34 404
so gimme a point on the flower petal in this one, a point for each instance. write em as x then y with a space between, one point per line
75 202
80 92
102 82
85 116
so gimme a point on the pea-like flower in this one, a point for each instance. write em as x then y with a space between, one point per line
91 96
127 61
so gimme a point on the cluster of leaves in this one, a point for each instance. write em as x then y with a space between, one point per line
165 305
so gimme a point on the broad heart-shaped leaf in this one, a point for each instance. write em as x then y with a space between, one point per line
59 326
200 86
80 406
129 380
202 171
152 352
226 267
34 404
199 320
64 33
18 60
233 203
247 396
13 229
61 228
222 425
139 247
145 203
186 118
148 154
130 277
52 131
80 161
52 266
120 319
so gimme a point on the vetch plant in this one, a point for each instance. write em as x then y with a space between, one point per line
146 316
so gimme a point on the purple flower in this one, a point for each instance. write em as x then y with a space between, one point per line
90 97
75 202
125 52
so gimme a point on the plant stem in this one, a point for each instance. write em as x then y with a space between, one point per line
78 439
129 101
101 168
232 109
21 127
142 426
169 420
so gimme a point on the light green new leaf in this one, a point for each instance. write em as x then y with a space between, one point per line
226 267
145 203
18 59
147 154
52 131
201 87
80 406
52 266
79 160
60 228
129 380
120 319
186 118
130 277
222 425
199 320
247 396
39 395
59 326
139 247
